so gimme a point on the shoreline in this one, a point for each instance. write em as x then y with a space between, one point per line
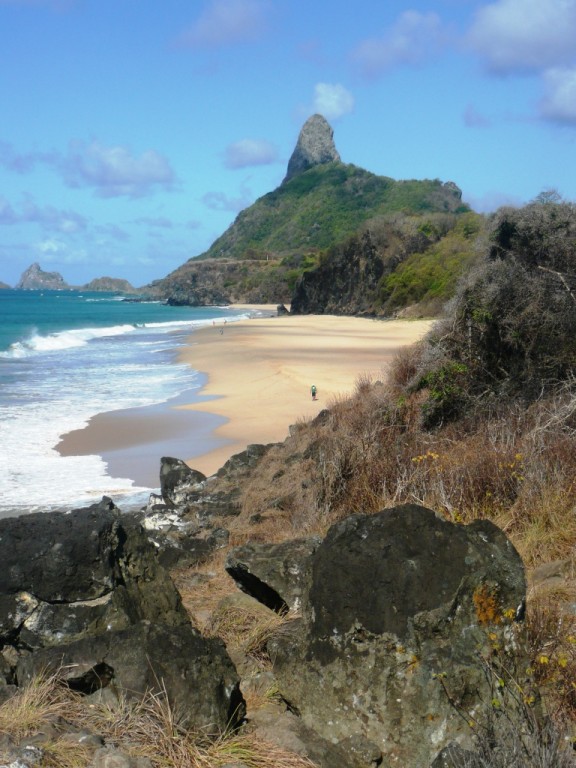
256 376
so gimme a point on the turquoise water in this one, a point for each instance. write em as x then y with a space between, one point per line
67 356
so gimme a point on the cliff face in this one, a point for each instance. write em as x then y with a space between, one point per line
34 278
222 281
344 284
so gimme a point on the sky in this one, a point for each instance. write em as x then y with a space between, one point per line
132 132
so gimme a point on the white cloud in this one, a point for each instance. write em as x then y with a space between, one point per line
47 217
559 102
515 36
225 22
7 213
50 246
247 152
332 101
413 38
115 171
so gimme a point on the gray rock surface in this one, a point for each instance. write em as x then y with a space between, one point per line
65 576
35 278
178 481
402 604
315 146
288 731
277 575
83 594
196 673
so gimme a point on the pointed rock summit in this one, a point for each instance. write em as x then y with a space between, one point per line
315 146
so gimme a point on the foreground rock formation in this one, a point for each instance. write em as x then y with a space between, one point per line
400 615
397 602
83 594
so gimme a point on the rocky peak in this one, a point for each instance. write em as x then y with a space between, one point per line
315 146
35 278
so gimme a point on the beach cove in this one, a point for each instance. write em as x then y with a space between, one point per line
256 374
260 371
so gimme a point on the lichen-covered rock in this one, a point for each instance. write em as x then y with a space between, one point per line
402 604
178 481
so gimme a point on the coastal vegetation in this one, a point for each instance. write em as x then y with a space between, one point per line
477 422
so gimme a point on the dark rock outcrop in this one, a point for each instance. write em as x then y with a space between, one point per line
196 672
402 606
65 576
178 482
34 278
346 284
84 594
277 575
315 146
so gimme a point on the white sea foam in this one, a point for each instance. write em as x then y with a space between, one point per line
55 342
54 384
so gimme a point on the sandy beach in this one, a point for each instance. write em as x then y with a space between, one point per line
260 371
257 376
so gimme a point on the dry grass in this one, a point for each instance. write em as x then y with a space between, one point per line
144 728
513 465
203 587
244 628
36 706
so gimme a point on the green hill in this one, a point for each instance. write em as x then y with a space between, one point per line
285 233
324 206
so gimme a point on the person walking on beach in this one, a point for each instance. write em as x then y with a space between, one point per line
313 391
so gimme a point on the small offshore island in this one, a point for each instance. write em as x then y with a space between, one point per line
383 576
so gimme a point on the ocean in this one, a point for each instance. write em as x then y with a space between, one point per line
66 356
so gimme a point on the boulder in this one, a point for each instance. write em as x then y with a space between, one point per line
402 607
275 574
195 673
65 576
286 730
178 481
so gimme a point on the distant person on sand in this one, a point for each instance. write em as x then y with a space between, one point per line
314 391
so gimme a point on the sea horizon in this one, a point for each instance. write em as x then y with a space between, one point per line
69 358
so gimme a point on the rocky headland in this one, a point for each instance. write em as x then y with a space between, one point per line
35 278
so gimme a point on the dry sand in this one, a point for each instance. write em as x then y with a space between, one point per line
260 371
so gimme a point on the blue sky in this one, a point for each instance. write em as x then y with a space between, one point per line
132 132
